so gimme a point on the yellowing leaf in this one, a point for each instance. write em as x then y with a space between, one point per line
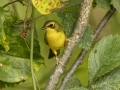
46 6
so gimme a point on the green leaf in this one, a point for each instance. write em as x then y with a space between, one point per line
110 81
69 18
104 57
73 82
4 84
86 40
103 3
94 3
3 37
70 3
116 4
7 18
15 63
13 69
78 88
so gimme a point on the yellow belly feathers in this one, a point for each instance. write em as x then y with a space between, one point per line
56 39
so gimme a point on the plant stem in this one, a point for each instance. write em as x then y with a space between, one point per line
31 49
83 52
31 58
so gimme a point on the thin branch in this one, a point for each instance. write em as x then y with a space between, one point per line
103 22
39 17
13 2
14 8
82 54
26 26
28 6
26 44
9 3
69 49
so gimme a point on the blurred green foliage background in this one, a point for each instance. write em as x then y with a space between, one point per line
113 27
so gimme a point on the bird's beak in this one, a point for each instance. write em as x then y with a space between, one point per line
43 28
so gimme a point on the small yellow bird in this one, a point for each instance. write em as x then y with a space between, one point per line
54 37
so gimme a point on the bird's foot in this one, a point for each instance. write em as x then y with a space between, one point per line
58 62
69 40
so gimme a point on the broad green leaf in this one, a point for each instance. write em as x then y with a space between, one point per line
69 18
103 3
13 69
110 81
116 4
15 63
86 40
73 82
104 57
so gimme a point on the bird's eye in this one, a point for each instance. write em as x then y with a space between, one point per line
51 26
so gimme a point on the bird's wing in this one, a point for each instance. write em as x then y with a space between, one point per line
45 39
64 31
51 54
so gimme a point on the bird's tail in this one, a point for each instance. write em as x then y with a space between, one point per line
51 54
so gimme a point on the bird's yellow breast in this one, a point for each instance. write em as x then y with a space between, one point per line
55 39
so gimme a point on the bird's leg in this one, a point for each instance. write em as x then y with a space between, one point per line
58 62
68 39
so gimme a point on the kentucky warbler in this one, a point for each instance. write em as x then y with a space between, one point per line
54 37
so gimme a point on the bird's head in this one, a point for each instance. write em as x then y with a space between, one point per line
51 24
